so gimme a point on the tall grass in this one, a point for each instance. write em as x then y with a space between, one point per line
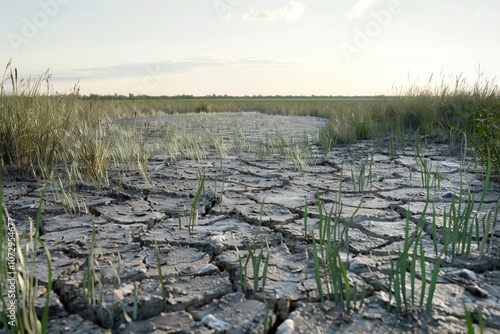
193 213
330 272
440 109
32 131
39 130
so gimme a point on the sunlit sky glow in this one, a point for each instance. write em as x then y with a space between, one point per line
245 47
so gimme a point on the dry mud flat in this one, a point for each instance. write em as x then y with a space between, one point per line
240 259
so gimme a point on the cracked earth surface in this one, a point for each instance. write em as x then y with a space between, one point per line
252 201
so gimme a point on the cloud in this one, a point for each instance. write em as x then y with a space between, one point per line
166 67
292 11
483 12
359 8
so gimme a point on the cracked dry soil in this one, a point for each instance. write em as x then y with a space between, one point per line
250 200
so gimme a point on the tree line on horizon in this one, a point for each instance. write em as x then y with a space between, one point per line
225 96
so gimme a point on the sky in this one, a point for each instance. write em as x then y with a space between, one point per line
250 47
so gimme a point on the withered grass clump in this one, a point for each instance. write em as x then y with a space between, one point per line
39 130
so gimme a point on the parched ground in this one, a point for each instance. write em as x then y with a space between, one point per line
240 259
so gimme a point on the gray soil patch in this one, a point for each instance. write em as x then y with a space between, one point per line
241 260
